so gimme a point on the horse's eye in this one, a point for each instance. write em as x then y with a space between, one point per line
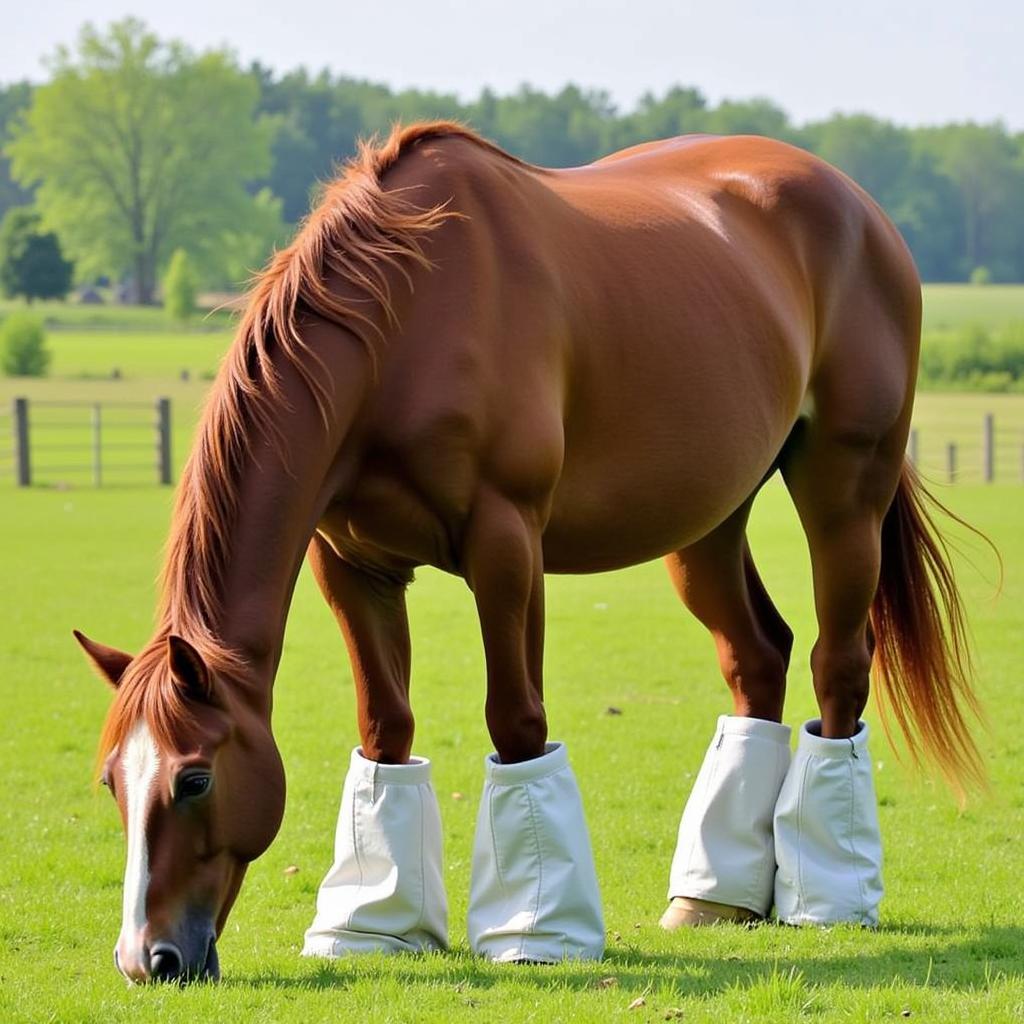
191 786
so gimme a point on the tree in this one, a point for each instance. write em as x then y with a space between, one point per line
180 287
984 163
13 100
140 146
23 346
31 262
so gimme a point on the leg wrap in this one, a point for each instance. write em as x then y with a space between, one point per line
385 891
533 894
827 842
725 852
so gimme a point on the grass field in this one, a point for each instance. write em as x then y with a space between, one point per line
951 945
956 305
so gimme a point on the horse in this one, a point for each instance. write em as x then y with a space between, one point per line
499 370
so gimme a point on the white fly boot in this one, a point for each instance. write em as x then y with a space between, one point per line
827 841
533 894
385 891
724 864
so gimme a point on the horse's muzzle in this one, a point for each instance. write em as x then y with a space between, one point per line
193 958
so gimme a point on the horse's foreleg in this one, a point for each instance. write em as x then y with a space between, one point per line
534 894
372 616
385 890
504 569
724 863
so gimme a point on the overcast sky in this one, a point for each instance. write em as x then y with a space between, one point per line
913 61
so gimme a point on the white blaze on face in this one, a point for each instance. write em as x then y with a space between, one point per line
139 763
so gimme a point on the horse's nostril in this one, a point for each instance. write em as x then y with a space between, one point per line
164 962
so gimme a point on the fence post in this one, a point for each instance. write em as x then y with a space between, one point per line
21 445
97 445
912 448
989 448
951 462
163 440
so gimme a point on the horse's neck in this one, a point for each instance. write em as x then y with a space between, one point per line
284 484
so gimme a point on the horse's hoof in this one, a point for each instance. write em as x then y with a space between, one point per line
683 912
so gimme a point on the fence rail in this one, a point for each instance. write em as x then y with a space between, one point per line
65 432
32 432
997 455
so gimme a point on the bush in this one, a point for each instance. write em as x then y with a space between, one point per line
981 275
23 346
31 262
180 287
975 360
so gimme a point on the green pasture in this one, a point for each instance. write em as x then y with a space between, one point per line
948 306
951 944
109 316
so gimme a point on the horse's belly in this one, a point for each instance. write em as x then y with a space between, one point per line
621 504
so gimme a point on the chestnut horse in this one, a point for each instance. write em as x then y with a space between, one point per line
468 362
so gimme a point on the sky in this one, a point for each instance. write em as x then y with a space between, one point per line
911 61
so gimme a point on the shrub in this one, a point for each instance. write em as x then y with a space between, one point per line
180 287
31 262
23 346
981 275
975 360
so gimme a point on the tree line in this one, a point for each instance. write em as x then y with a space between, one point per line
137 148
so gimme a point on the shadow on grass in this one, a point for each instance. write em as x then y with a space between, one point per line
943 963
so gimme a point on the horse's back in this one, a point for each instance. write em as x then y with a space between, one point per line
637 338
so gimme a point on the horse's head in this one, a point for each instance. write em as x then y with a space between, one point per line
200 787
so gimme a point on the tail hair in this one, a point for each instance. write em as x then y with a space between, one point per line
922 661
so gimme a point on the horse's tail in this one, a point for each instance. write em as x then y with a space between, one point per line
922 662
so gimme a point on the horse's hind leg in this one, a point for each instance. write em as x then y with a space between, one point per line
842 475
718 582
533 894
385 890
724 863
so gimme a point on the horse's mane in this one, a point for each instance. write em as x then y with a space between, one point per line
360 231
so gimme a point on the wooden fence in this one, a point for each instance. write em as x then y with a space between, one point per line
57 441
92 439
991 455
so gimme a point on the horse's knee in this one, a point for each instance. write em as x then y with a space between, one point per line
518 734
387 734
841 684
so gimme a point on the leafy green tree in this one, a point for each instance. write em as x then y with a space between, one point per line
985 165
13 100
750 117
23 346
680 111
180 287
140 146
31 262
317 120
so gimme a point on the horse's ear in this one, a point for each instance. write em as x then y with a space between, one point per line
109 662
189 670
